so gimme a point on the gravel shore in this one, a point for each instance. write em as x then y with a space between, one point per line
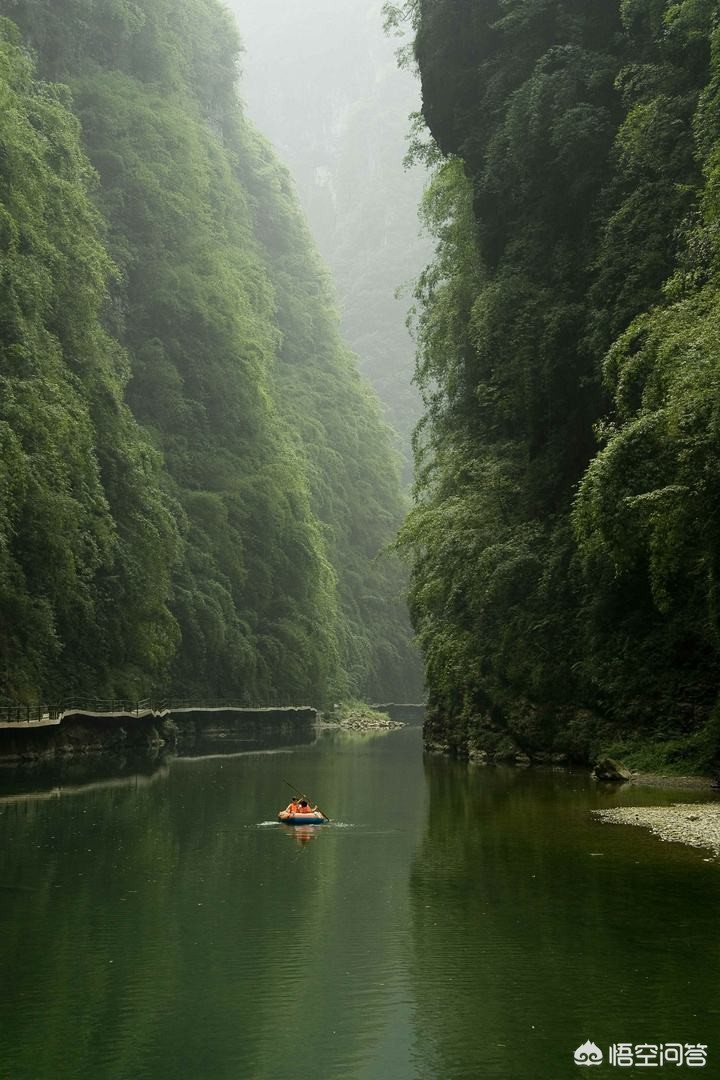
701 783
697 824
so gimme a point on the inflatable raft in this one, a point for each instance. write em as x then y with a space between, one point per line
302 819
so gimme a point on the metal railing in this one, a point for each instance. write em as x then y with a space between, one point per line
27 714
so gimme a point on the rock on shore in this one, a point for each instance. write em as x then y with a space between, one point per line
697 824
611 771
361 719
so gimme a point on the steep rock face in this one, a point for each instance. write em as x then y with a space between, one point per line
571 213
259 549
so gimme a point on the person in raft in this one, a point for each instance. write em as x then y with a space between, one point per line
297 806
293 807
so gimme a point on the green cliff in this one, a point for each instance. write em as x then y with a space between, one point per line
565 536
197 487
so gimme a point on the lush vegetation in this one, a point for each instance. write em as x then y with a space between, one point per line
565 540
337 109
196 486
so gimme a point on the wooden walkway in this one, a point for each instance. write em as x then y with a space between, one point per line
42 716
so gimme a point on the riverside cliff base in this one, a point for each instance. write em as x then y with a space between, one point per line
93 733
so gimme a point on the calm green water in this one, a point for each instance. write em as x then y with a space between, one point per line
458 923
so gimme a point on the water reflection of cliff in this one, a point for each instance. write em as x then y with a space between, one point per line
74 775
159 929
533 929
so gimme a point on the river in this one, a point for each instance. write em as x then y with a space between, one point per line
451 922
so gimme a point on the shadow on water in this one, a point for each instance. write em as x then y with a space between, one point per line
77 774
536 927
153 930
222 744
50 780
450 922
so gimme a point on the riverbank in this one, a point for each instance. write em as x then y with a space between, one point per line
664 780
84 733
691 823
525 736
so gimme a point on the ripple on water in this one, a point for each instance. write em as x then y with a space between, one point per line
326 827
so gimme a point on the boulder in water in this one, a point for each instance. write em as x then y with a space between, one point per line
611 771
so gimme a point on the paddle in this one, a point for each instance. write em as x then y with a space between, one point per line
305 797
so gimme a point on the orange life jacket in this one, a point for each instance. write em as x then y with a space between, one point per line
305 810
293 808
